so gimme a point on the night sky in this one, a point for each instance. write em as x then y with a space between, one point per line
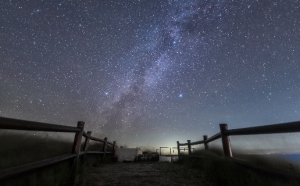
149 73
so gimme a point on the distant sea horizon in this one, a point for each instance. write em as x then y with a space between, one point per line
293 157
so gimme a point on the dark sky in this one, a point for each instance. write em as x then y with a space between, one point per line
149 73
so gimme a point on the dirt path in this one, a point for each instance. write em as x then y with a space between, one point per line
144 174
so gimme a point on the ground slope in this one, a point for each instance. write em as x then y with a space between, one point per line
144 174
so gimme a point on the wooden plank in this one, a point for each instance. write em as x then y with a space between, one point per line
10 172
76 150
16 124
266 129
205 143
101 140
114 147
104 148
85 134
189 147
178 149
214 137
110 143
87 141
225 140
197 142
96 139
77 138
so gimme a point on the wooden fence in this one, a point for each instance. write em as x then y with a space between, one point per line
225 133
77 150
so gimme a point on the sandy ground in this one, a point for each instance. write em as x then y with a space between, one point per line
144 174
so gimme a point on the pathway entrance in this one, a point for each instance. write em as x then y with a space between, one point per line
144 174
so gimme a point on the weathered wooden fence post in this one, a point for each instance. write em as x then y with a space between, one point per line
189 146
205 143
114 150
104 148
76 150
178 150
113 147
86 143
225 141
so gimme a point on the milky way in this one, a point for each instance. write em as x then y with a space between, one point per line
151 72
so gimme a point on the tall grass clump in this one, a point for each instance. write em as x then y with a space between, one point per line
223 171
26 147
19 148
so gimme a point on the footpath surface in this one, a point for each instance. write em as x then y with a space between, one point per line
144 174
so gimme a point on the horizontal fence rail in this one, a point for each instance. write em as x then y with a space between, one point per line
224 134
97 139
197 142
86 135
101 140
266 129
16 124
214 137
77 150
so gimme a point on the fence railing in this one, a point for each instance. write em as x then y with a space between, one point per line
225 133
77 150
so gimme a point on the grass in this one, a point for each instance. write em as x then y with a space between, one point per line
218 170
19 148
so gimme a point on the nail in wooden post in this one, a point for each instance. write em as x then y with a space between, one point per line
225 141
104 147
205 143
76 150
189 146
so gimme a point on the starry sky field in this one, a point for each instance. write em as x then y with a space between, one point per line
149 73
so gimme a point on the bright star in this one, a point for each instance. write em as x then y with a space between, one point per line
180 95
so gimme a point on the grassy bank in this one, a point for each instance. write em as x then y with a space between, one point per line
25 147
218 170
